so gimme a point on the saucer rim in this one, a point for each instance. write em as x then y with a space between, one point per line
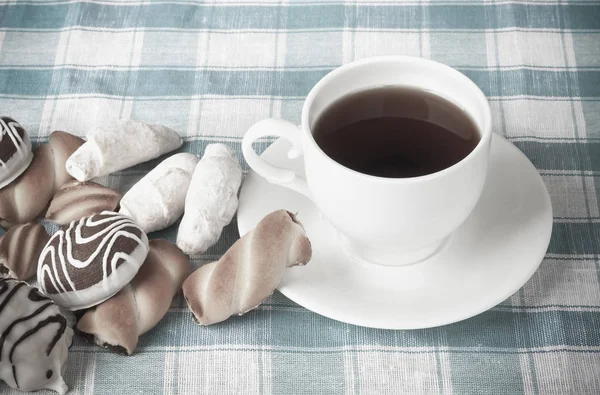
458 315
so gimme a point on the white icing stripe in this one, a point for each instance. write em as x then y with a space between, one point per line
89 221
106 239
12 132
79 239
54 256
63 261
46 273
111 242
45 270
115 259
9 133
4 126
18 138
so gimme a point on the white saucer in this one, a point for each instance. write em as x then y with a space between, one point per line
485 261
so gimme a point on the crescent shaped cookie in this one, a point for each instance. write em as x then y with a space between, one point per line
249 271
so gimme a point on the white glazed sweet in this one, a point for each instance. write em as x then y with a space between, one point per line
211 201
119 145
158 199
90 261
15 150
35 337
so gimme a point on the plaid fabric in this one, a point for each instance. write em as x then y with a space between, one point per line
211 69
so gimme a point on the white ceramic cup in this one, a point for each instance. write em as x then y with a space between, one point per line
388 221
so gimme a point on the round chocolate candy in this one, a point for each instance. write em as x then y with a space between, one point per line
90 261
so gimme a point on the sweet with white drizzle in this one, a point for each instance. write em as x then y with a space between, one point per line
15 150
35 338
91 260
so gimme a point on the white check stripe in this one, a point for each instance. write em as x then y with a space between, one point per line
169 373
527 374
446 370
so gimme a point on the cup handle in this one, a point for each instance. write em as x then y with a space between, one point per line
274 174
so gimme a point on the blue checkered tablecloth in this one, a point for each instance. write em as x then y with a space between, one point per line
210 69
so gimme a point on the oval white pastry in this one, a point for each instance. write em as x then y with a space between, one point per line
90 261
15 150
119 145
211 201
35 337
158 199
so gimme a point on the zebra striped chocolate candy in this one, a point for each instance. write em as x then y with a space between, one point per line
15 150
90 261
35 337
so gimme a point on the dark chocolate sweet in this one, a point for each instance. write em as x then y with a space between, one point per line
90 261
15 150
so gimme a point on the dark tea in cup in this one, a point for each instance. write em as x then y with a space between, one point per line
395 132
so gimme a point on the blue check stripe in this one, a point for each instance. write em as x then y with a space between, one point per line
196 16
279 83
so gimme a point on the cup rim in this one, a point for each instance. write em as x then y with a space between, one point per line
486 132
